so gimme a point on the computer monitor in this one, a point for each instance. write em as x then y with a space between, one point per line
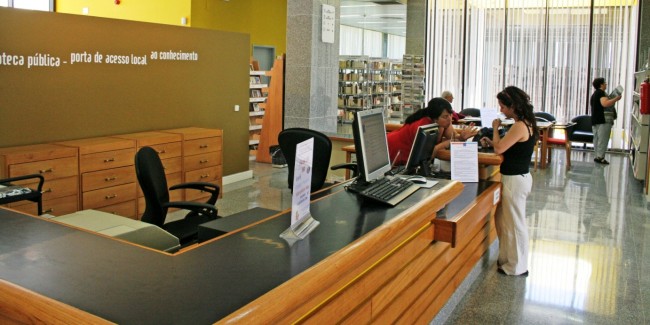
420 159
370 144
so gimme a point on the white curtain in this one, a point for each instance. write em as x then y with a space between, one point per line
552 49
395 46
373 43
351 41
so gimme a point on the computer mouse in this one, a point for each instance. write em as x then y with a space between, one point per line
417 179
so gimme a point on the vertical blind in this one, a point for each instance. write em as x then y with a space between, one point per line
552 49
359 41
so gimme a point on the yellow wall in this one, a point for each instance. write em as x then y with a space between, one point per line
264 20
152 11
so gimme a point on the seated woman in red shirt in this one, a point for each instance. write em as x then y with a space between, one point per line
438 111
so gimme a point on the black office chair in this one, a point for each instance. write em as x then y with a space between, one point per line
473 112
153 182
13 193
289 138
579 130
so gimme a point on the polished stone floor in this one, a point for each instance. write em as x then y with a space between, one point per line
589 240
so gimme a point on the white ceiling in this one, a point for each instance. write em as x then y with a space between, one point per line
387 16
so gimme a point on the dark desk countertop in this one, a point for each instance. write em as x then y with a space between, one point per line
128 284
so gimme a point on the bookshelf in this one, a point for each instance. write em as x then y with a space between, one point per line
412 84
256 108
366 83
268 119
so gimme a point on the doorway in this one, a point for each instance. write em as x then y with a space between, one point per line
265 55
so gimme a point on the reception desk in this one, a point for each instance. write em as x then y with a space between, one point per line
363 263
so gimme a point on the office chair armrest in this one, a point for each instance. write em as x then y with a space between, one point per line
570 127
196 207
350 166
202 186
211 188
41 180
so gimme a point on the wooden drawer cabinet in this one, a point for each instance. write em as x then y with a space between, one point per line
169 149
105 178
59 167
202 158
107 174
99 173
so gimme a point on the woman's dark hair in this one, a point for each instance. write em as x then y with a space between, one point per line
434 109
519 101
598 82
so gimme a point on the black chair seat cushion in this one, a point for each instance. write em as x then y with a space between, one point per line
187 228
582 136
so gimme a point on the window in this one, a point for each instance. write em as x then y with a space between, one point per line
552 49
42 5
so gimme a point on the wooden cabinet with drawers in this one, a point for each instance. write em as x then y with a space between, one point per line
202 158
169 148
99 173
108 181
58 165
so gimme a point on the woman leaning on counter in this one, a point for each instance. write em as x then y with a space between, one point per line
516 146
438 111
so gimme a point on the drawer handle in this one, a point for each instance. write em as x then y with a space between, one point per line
43 171
203 161
203 146
47 191
162 151
112 196
49 210
109 160
205 176
108 179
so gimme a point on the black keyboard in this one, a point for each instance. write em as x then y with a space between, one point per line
390 191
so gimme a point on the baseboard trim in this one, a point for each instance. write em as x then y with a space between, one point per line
237 177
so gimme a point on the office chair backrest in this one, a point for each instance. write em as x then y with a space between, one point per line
289 138
546 116
151 175
473 112
581 130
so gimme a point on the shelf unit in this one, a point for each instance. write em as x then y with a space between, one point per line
395 88
256 108
412 84
366 83
639 132
265 110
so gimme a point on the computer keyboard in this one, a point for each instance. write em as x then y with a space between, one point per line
390 191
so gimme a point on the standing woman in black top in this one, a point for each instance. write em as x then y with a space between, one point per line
599 126
516 146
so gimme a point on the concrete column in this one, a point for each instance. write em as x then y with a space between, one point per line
311 80
416 25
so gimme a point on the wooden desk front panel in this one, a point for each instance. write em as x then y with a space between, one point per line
412 283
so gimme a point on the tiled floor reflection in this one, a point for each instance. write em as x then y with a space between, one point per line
589 241
590 245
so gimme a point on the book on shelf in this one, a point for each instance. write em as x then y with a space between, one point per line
618 91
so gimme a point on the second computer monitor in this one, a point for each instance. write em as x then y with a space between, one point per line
420 157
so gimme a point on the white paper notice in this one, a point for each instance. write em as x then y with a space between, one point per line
464 161
302 182
329 23
487 116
